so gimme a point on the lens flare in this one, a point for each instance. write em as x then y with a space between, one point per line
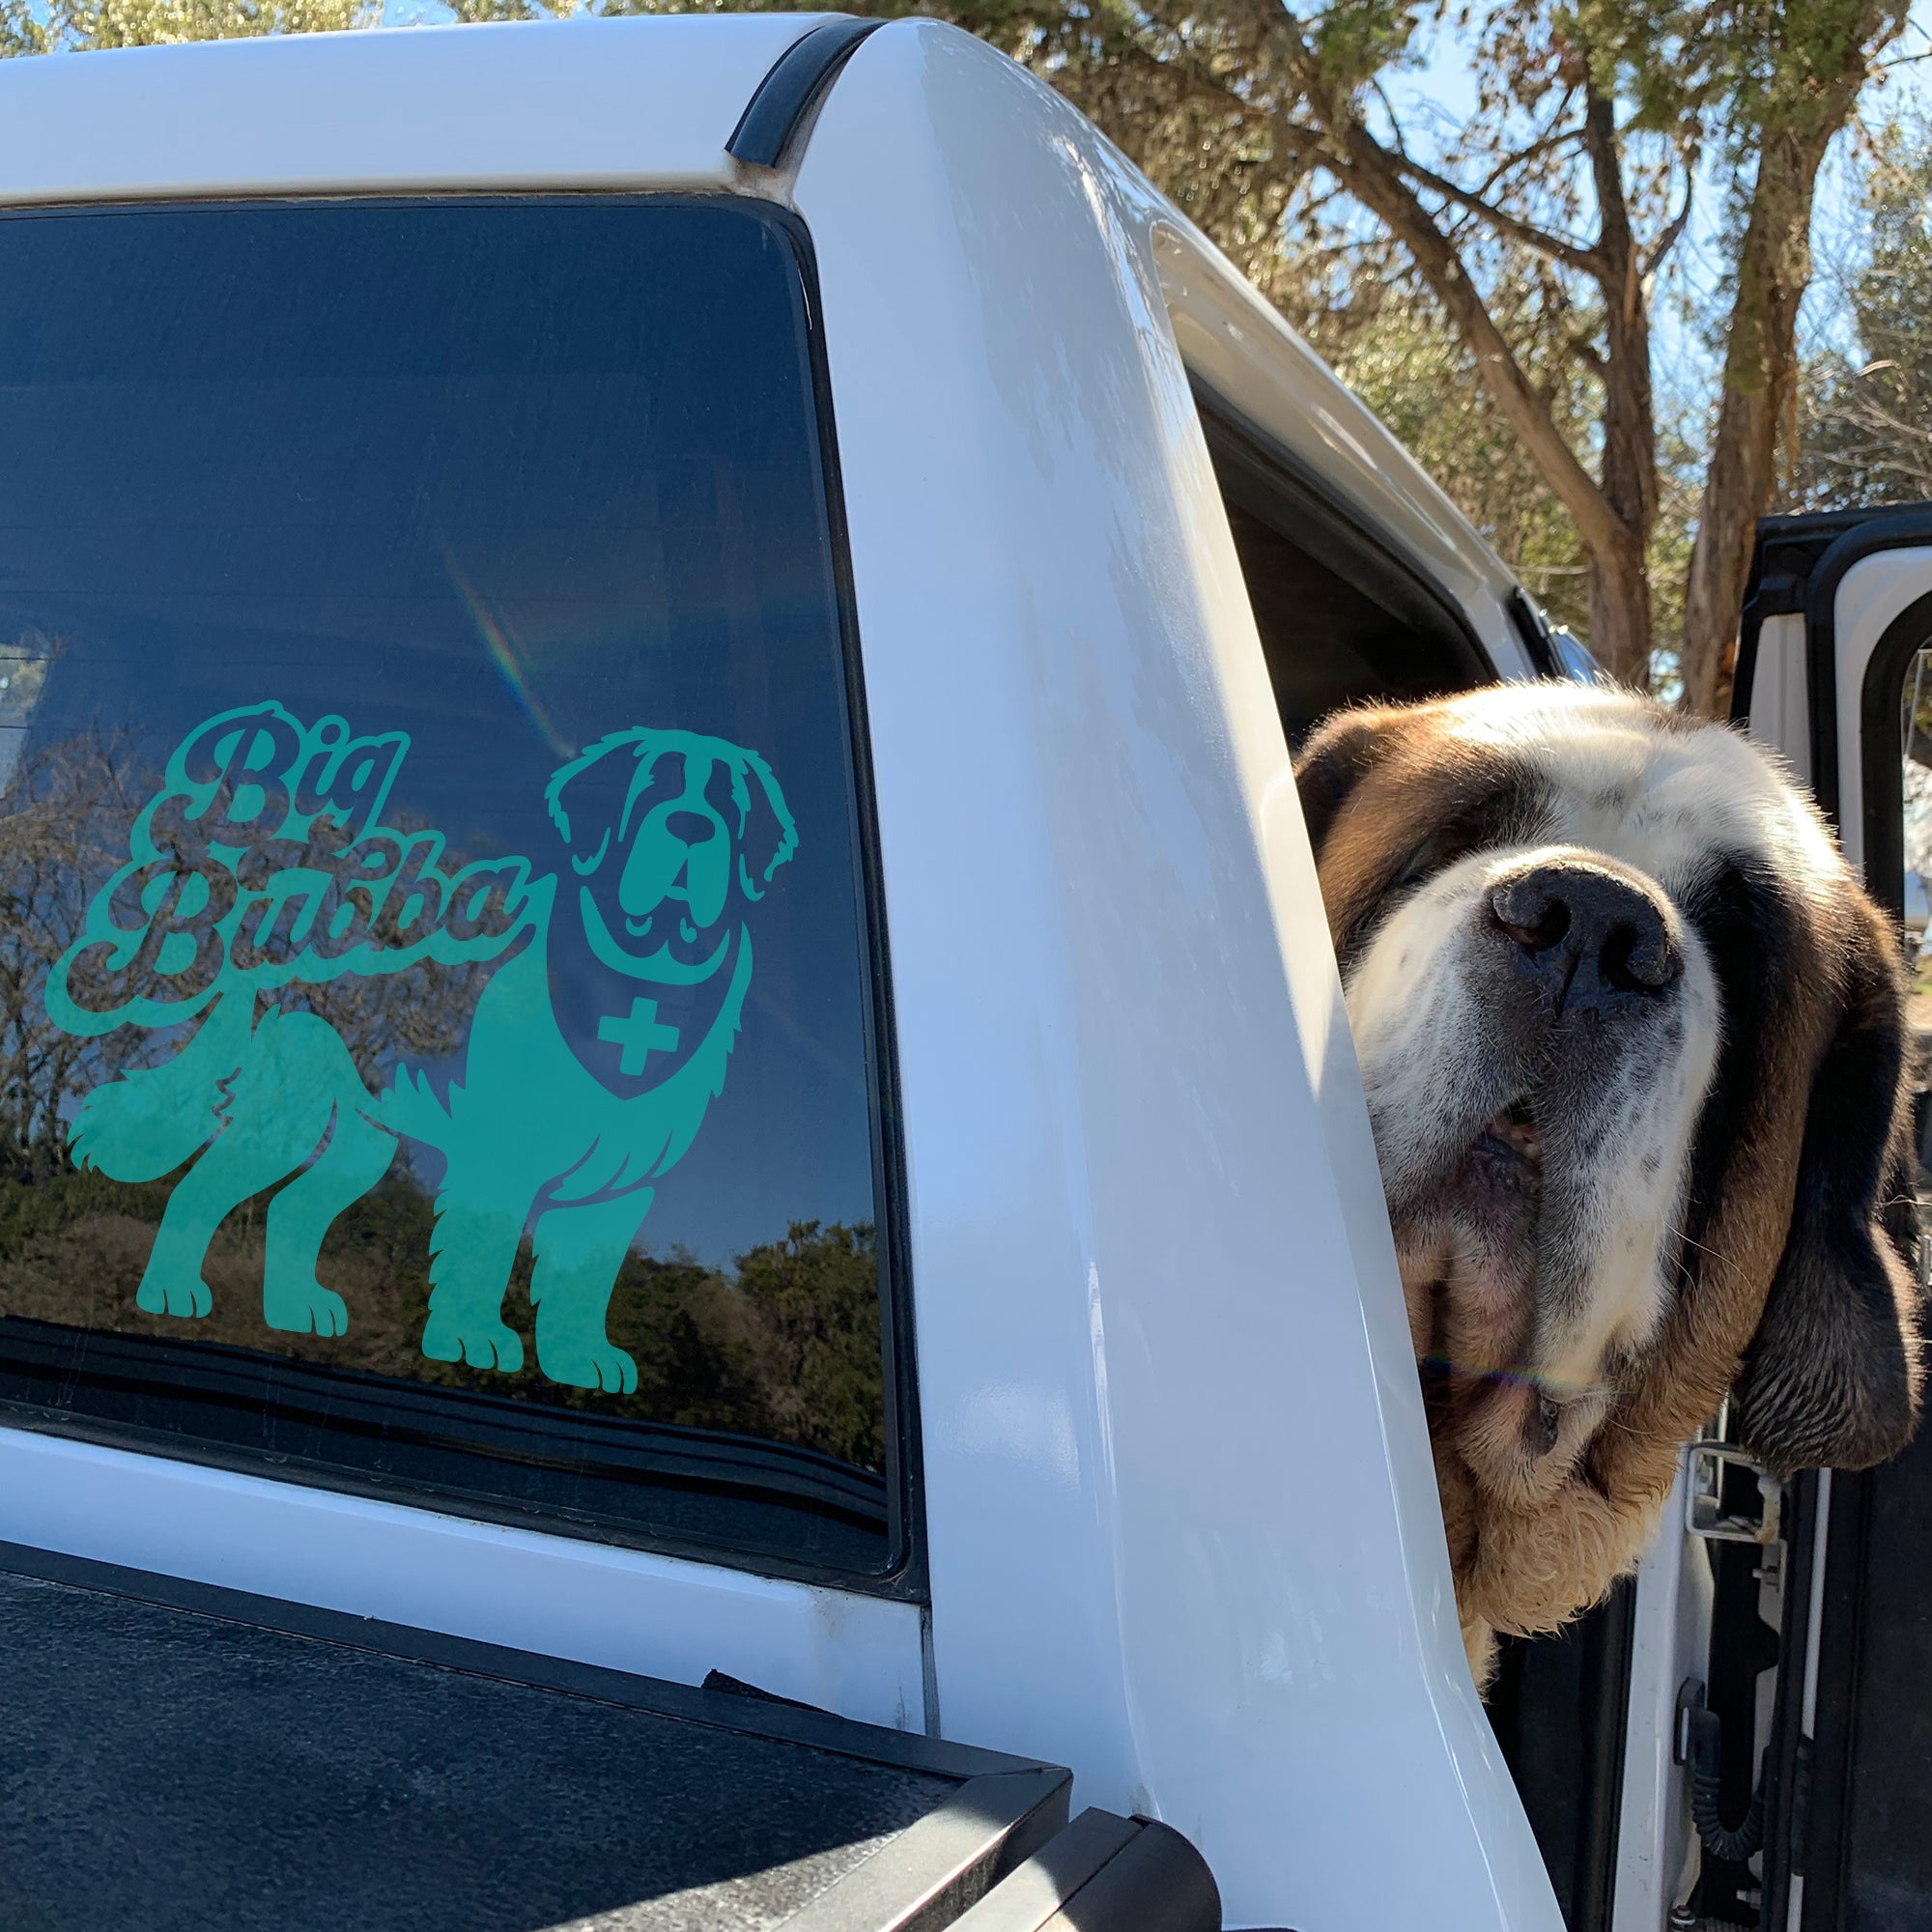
507 654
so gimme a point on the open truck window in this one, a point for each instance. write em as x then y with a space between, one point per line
440 993
1341 619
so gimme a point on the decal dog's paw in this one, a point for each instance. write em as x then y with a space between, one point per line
587 1364
305 1308
483 1344
173 1295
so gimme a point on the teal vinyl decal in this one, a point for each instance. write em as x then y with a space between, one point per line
595 1052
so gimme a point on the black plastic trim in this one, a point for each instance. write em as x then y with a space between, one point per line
784 98
1028 1897
1538 645
924 1876
1595 1901
1104 1873
1789 1848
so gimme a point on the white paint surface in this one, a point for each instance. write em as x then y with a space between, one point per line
1873 592
558 1596
1183 1527
562 104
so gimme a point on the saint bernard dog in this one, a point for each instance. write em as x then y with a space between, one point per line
1634 1047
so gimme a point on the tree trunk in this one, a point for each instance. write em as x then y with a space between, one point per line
1611 516
1761 356
1760 373
1620 633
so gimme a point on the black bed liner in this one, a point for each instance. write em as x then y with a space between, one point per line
174 1757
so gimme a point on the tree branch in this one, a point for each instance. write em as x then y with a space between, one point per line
1660 248
1548 145
1375 178
1555 248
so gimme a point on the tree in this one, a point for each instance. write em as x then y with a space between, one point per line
65 809
1539 230
1530 241
68 25
1865 405
62 832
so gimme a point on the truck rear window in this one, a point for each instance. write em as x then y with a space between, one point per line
441 1048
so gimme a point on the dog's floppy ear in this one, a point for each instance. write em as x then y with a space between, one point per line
767 837
1832 1378
1340 753
585 797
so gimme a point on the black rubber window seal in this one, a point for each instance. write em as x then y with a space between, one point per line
794 87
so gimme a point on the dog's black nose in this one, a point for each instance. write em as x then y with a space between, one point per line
1585 936
690 828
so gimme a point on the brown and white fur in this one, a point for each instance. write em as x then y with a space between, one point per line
1635 1049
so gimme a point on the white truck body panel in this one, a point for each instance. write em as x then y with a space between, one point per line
592 1602
1180 1514
1183 1517
1876 590
570 105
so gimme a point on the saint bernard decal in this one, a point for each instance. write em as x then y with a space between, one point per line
596 1047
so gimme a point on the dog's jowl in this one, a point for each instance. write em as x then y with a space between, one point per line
1634 1045
620 970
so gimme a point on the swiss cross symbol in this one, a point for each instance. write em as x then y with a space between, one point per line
640 1035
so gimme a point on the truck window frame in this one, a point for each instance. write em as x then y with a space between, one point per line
903 1574
1256 474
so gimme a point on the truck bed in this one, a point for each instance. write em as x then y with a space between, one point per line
174 1757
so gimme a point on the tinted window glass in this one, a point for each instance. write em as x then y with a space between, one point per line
438 991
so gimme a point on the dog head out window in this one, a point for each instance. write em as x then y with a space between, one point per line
443 993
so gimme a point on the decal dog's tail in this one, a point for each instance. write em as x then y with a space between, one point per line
410 1108
145 1123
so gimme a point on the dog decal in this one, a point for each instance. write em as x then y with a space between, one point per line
595 1052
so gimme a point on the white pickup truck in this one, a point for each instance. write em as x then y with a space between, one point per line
497 524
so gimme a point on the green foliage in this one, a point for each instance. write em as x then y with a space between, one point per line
1865 406
817 1298
1241 114
72 24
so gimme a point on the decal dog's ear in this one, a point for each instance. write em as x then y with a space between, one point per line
767 837
1333 762
585 797
1832 1378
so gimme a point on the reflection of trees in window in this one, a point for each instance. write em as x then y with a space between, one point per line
64 831
63 834
784 1345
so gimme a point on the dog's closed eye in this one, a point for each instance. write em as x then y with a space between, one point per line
1423 860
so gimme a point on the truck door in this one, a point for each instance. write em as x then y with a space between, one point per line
1835 668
